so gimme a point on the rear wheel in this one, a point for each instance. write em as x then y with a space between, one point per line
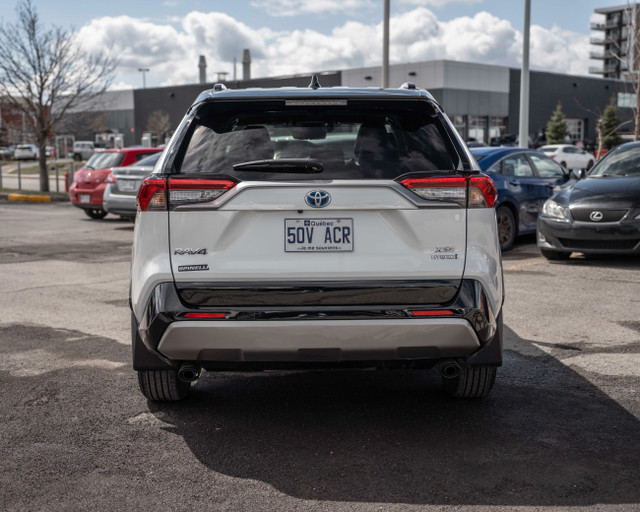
563 164
506 227
590 165
555 255
162 385
96 213
471 381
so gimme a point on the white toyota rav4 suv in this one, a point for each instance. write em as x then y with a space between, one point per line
316 227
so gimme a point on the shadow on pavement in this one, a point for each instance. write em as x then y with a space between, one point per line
545 436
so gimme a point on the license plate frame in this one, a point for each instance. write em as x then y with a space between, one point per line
311 235
128 185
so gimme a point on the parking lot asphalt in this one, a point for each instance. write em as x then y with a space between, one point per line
560 431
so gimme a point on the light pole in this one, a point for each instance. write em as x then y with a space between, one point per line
524 80
385 46
144 81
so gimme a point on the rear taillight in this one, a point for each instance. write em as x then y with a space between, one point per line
152 194
191 191
161 194
482 192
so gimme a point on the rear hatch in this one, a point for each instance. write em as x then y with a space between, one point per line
275 204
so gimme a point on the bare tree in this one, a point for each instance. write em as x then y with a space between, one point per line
98 124
44 73
158 123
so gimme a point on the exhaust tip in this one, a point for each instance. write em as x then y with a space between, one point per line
188 373
450 370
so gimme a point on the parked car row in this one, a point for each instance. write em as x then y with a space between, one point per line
99 174
593 210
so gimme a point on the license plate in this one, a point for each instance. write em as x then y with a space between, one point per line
128 185
85 198
318 235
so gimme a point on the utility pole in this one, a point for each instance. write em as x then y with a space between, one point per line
385 46
144 81
524 79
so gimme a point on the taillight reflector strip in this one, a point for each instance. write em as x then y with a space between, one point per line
432 312
205 315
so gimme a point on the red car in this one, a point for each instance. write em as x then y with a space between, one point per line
90 181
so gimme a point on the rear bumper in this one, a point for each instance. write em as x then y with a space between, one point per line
318 340
119 204
94 195
250 335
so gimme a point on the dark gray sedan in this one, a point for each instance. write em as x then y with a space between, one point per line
600 214
120 194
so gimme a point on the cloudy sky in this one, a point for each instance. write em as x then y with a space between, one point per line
300 36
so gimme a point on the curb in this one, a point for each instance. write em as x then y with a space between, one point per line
32 198
29 198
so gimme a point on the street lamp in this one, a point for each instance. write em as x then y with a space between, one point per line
524 80
385 45
144 81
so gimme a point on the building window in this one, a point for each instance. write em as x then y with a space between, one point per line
575 128
626 100
460 124
478 127
497 127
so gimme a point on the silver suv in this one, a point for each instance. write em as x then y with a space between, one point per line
304 228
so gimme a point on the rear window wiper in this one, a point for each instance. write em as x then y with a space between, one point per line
292 165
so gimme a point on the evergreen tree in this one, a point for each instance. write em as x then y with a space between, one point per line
557 127
610 125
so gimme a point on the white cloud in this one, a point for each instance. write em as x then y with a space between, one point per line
171 51
439 3
296 7
120 86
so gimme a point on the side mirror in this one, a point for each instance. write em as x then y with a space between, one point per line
579 174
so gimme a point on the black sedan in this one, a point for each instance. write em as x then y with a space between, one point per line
600 214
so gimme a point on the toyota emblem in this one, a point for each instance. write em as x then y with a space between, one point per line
317 198
596 216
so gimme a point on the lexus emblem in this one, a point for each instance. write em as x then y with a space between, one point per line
596 216
317 198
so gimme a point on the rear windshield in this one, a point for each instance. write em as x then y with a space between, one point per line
548 149
148 161
357 140
104 160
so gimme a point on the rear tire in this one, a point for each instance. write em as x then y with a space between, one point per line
555 255
96 213
162 385
590 165
472 382
507 228
563 164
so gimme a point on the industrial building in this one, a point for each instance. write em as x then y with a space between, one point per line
481 100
